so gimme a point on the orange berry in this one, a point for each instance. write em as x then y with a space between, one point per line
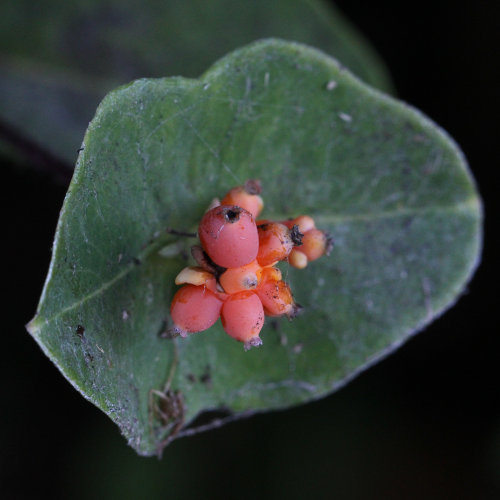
194 309
238 279
275 243
246 196
304 222
242 317
315 243
229 236
276 297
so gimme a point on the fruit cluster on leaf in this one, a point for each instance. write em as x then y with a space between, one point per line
236 278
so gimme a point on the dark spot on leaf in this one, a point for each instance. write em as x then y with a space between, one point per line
329 244
80 330
274 324
179 232
163 331
206 377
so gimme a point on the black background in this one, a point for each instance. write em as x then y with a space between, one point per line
424 423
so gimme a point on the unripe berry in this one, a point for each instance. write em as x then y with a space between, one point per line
194 309
238 279
275 243
297 259
229 236
246 196
242 317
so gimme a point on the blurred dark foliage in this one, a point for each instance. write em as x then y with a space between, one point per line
424 423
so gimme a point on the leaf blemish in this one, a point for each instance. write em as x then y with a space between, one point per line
206 378
331 85
80 330
345 117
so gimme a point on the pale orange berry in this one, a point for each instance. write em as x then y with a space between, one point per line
242 278
297 259
246 196
304 223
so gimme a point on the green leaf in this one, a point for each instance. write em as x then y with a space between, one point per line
72 53
391 188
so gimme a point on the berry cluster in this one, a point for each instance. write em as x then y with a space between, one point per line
236 278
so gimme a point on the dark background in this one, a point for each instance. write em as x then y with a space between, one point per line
424 423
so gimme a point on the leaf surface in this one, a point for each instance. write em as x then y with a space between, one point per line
391 188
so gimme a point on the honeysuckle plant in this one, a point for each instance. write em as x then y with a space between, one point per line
390 185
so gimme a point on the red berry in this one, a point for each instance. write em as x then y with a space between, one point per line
194 309
242 317
229 236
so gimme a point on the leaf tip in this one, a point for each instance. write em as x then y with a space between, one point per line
33 326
